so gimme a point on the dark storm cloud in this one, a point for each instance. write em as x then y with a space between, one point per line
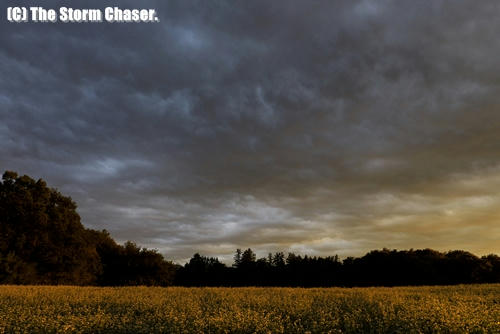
316 127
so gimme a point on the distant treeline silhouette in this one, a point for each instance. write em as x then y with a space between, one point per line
42 241
376 268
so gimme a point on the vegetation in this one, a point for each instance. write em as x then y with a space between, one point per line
42 241
448 309
377 268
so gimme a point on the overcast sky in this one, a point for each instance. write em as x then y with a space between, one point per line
316 127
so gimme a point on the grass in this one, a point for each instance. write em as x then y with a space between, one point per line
60 309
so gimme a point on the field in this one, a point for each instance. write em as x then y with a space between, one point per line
49 309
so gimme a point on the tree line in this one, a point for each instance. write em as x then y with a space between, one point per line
42 241
376 268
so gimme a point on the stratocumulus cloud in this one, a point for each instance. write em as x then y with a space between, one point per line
314 127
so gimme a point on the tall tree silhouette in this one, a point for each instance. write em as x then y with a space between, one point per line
237 258
247 258
42 241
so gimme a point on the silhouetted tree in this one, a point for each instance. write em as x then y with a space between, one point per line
203 271
237 258
247 258
42 241
491 268
279 259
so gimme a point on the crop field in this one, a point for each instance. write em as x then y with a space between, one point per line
51 309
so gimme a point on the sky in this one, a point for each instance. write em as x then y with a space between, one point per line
313 127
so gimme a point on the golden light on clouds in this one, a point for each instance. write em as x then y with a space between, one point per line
326 128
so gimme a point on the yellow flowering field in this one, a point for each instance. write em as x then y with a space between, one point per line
60 309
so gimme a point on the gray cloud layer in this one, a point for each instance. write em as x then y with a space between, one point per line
316 127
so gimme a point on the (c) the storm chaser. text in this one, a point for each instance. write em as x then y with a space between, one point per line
73 15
